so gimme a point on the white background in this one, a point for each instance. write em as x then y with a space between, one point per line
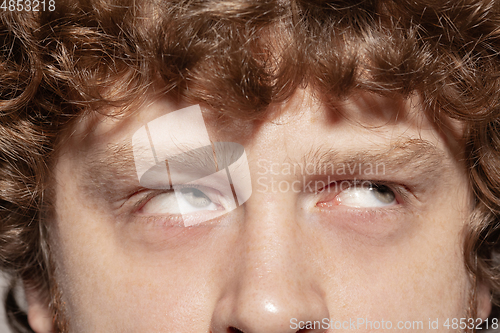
3 323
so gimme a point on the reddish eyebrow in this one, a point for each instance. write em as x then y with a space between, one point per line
110 172
412 156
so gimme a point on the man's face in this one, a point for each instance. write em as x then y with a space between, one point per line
353 219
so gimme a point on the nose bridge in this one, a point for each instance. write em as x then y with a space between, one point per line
271 239
273 285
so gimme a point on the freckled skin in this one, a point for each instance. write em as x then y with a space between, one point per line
277 257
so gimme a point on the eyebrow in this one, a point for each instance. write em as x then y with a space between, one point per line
111 171
415 157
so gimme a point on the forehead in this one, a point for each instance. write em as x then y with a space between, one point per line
304 113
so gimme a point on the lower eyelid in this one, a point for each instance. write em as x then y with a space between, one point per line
177 220
162 220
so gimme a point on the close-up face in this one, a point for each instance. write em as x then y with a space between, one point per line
354 217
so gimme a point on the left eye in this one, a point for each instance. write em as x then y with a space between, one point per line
366 195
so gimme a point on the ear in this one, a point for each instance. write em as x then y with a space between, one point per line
39 314
483 301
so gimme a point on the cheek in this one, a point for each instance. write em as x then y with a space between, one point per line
406 274
407 268
106 287
111 283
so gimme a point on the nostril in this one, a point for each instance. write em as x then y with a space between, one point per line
233 330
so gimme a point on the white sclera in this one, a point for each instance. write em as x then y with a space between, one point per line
222 185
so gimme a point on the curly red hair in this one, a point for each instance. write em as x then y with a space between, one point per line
237 57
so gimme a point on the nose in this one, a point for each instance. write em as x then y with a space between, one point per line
272 285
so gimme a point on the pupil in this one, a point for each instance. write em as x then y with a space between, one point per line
383 193
195 197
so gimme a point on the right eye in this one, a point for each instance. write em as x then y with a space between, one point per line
181 201
192 199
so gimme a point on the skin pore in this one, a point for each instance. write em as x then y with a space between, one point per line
307 245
